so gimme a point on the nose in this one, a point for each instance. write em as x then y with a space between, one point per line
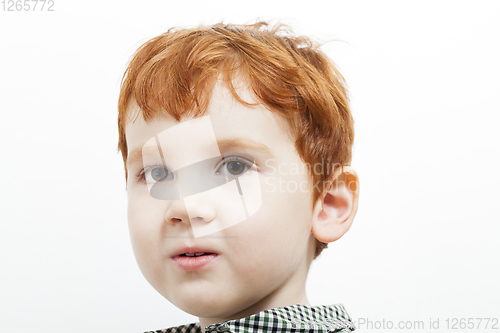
196 212
199 209
176 212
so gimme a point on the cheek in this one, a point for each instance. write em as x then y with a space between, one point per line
286 200
145 218
280 227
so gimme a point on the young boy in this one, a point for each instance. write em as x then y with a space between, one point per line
236 141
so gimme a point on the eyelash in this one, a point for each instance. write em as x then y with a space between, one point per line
142 173
228 159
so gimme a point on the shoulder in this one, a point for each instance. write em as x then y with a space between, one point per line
189 328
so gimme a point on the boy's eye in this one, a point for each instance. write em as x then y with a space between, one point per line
155 174
159 174
234 167
200 173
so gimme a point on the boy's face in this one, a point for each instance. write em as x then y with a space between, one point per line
209 188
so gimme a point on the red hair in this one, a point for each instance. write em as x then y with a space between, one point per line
174 73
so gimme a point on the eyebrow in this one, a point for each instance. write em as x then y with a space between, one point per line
136 154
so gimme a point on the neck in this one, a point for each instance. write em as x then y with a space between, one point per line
272 301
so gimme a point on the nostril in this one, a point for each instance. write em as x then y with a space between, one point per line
176 219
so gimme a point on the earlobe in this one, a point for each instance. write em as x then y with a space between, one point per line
336 208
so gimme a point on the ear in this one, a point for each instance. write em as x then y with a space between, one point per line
336 207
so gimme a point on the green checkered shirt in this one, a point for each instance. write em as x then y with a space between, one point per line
288 319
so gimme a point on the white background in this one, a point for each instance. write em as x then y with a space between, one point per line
424 78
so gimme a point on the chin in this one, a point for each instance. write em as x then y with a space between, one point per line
204 307
197 300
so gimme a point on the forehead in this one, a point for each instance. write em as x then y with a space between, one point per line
229 119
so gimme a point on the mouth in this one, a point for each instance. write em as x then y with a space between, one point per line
191 258
190 261
195 254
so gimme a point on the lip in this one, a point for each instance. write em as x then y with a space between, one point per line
192 249
193 263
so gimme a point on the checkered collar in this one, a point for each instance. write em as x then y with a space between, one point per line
293 318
